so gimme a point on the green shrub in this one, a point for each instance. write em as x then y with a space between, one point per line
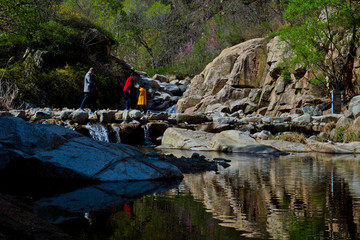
62 86
286 75
318 86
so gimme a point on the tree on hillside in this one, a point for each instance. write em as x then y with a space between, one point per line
322 35
145 24
21 18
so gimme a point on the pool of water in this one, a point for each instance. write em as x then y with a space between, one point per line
288 197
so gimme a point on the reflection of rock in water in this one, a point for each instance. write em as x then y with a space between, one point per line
270 198
74 204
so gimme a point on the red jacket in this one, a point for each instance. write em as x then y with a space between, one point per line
128 84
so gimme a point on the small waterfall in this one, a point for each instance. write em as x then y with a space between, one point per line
147 139
171 109
116 131
98 132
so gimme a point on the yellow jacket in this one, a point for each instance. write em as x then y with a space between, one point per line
142 96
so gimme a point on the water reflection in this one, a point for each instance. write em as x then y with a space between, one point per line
291 197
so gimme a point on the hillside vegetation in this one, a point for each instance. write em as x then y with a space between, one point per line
166 36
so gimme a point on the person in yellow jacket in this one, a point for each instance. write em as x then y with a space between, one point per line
142 99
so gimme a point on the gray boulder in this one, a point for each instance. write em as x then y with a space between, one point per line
42 115
191 118
303 119
66 114
186 139
354 106
105 116
79 116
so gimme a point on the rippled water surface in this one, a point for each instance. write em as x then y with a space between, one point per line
291 197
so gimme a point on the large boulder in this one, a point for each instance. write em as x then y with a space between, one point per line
237 141
354 106
63 148
186 139
226 141
242 65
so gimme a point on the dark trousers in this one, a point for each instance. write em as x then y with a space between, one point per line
141 108
128 100
89 101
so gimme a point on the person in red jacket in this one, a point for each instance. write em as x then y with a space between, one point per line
129 90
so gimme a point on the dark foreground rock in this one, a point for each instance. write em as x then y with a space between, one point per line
18 222
55 152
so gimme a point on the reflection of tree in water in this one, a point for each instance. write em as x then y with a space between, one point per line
160 217
286 198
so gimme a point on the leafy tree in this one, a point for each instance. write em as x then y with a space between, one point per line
21 18
145 24
322 34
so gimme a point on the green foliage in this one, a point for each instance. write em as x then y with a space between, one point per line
346 133
316 33
55 37
60 87
318 85
156 10
339 134
286 76
159 70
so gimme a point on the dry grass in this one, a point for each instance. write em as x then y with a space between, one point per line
8 90
329 126
8 93
293 137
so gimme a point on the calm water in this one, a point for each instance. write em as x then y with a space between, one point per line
291 197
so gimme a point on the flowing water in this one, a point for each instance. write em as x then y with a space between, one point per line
98 132
290 197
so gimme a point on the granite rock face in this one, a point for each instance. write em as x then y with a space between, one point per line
249 76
